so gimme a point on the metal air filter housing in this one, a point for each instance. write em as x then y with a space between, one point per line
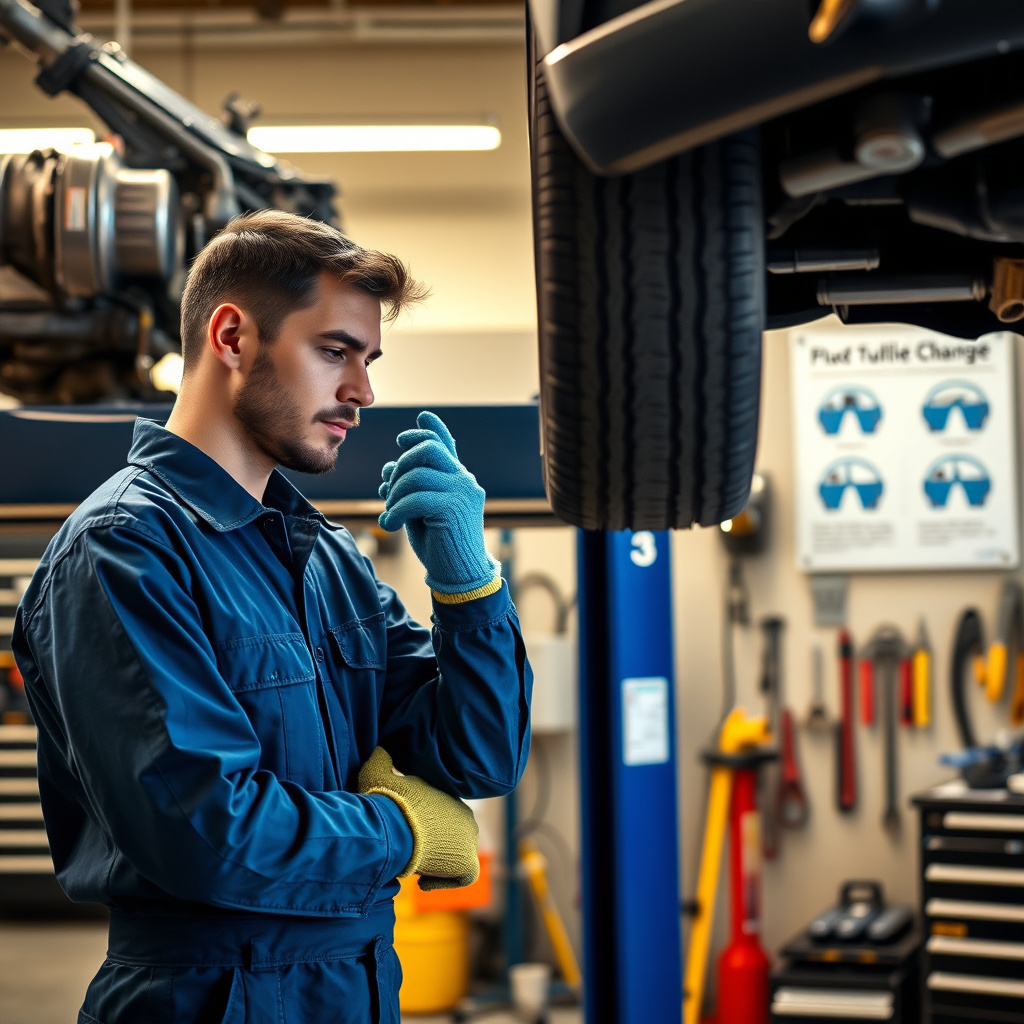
111 222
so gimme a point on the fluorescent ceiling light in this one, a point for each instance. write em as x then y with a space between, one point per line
374 138
25 140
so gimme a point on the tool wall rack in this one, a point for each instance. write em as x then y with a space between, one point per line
972 898
54 457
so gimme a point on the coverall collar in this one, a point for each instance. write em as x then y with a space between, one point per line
205 486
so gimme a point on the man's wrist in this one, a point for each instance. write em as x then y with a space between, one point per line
405 847
470 595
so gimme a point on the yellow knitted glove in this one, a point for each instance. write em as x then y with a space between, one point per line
444 831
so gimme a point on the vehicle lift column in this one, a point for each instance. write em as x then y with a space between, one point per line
629 818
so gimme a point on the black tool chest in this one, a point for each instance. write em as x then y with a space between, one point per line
27 883
836 982
972 899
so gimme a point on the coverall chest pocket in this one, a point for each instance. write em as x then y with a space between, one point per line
272 678
360 643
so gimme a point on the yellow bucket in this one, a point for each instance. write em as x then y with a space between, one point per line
433 948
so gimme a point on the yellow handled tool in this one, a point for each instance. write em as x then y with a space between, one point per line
922 673
534 865
829 18
1008 621
1017 700
995 671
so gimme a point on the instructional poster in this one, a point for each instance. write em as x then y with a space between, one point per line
905 449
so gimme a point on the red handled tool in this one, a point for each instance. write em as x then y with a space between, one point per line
906 692
845 761
792 799
867 692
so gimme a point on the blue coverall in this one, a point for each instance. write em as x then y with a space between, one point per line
207 674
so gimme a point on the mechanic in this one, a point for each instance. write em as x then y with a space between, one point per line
220 681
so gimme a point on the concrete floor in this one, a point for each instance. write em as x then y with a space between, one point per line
46 966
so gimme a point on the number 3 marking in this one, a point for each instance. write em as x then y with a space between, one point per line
645 549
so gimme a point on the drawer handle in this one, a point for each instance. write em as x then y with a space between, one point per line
974 911
983 822
941 981
974 876
942 945
25 864
17 759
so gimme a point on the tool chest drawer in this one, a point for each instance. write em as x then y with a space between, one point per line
840 993
23 846
972 898
1001 958
972 883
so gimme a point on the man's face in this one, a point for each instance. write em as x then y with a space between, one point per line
304 390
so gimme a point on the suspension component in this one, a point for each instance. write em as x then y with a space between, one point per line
1007 300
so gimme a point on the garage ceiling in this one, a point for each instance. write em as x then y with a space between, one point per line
107 6
167 24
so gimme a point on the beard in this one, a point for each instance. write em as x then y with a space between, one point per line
275 425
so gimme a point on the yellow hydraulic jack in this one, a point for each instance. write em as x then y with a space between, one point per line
740 746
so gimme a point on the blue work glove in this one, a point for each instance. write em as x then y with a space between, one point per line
441 506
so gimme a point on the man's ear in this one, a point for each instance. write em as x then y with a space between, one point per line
227 333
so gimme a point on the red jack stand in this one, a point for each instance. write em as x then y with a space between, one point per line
743 966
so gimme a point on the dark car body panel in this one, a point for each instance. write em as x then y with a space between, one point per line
670 75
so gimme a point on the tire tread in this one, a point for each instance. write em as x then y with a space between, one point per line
651 296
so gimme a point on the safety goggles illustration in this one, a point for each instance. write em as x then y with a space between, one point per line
964 470
850 472
849 398
955 394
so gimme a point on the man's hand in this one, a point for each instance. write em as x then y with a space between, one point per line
441 506
444 830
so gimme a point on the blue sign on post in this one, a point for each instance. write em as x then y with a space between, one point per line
631 909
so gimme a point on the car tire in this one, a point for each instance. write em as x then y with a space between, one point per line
651 309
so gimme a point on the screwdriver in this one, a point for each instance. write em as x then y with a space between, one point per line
1017 700
922 662
1010 601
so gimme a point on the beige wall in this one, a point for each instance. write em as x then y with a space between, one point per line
463 223
833 847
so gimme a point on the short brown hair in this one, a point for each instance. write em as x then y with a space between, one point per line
269 262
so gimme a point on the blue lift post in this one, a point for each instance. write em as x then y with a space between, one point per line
631 901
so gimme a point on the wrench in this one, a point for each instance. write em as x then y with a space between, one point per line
772 627
846 770
891 654
817 716
792 799
891 814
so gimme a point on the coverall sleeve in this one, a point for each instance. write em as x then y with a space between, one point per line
166 756
459 719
